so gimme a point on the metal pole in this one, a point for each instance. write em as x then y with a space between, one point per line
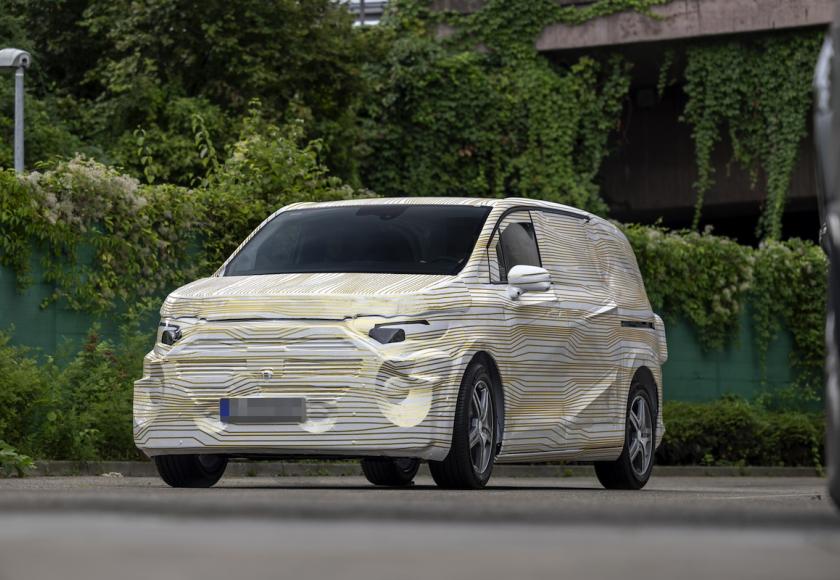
361 12
19 120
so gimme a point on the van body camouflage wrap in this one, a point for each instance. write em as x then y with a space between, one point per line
565 358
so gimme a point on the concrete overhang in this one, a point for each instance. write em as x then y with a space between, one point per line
679 19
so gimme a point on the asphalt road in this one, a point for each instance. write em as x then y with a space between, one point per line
98 527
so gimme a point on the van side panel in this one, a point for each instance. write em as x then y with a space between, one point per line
641 332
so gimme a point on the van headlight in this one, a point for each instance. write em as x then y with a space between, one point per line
386 331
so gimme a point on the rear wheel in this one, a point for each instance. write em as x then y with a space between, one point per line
471 456
393 472
633 467
191 470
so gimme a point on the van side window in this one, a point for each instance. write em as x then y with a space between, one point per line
568 253
513 244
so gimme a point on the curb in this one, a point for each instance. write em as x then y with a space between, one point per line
352 468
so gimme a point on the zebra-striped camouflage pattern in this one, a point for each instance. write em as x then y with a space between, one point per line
564 359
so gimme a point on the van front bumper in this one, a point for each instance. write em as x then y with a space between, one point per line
362 398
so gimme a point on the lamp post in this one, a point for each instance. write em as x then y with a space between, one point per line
17 60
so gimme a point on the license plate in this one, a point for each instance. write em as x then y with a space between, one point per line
263 410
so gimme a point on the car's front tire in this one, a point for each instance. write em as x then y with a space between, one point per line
391 472
470 460
190 470
633 467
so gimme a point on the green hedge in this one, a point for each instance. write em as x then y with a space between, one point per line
79 411
707 281
732 431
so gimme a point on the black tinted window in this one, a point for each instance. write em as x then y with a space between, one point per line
516 244
398 239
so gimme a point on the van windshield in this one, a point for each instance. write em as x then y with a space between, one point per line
391 239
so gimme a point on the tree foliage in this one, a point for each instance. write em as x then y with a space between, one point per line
99 228
443 118
119 66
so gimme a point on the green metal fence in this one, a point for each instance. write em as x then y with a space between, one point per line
694 375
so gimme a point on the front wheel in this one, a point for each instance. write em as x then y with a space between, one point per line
471 456
633 467
191 470
392 472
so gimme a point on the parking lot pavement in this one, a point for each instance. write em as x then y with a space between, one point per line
738 501
98 527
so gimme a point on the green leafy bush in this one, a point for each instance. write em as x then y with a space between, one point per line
167 147
700 278
24 385
12 462
93 403
708 280
732 431
100 228
106 69
48 135
81 411
268 167
789 289
441 118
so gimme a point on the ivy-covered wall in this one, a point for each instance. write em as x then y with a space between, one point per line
479 109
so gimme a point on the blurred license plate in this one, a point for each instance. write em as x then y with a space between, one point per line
263 410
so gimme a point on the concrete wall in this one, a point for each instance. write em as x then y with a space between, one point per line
683 19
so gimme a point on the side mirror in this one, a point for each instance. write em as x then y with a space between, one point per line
523 279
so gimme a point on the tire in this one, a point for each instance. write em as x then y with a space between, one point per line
190 470
391 472
469 466
633 467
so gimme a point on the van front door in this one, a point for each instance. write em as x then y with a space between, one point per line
529 353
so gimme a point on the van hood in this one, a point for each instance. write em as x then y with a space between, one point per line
321 296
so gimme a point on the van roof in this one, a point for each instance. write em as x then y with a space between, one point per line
503 203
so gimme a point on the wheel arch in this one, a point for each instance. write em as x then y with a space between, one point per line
644 376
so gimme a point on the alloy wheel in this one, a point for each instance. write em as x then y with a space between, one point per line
481 426
640 451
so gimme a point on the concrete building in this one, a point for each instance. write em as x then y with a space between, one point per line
651 174
367 12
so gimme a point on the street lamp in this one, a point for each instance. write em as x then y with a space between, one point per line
19 60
